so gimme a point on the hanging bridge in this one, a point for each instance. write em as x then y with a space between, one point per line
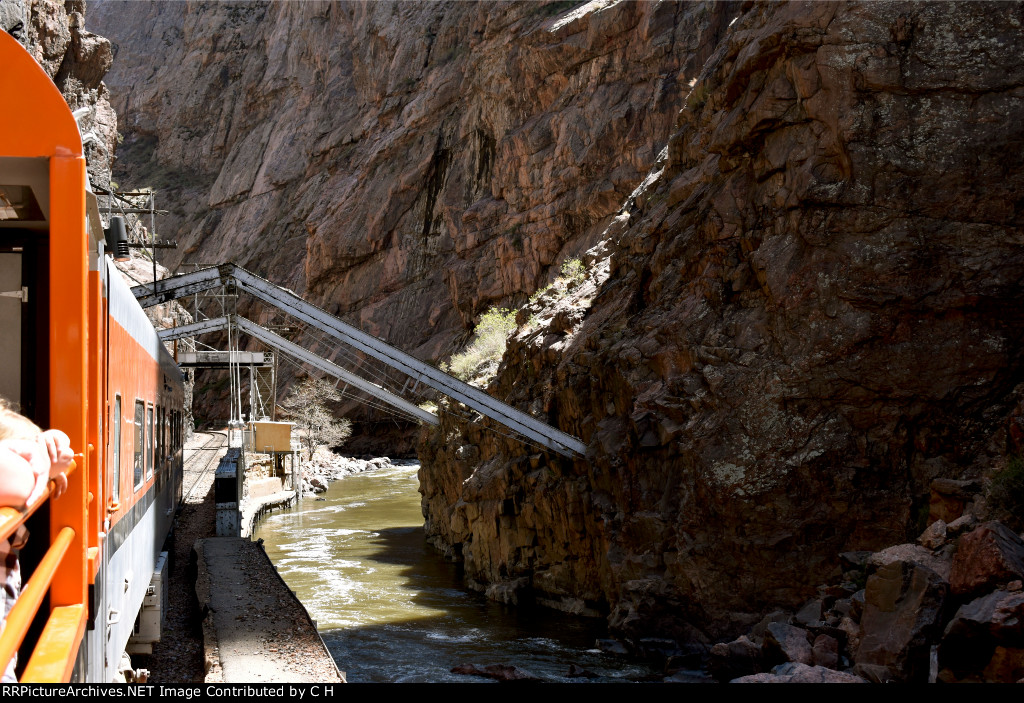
233 277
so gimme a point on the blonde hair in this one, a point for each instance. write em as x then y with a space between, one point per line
14 425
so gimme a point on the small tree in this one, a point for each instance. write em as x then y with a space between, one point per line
317 425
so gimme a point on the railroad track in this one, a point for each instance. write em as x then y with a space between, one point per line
178 656
201 462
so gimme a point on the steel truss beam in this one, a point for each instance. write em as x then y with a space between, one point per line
189 283
196 328
297 352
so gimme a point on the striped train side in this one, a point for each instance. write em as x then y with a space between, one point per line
79 354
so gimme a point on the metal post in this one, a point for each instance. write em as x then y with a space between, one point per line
152 232
273 391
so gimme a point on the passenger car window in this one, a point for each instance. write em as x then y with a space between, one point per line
150 434
116 491
140 420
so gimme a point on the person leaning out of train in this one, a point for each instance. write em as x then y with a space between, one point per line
29 459
48 456
48 453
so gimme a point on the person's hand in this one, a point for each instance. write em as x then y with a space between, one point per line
58 450
48 455
60 484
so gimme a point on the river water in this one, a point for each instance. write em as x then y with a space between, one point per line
392 610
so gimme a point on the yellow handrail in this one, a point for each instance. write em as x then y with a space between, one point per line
27 605
12 518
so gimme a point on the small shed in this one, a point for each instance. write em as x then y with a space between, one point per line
275 440
271 437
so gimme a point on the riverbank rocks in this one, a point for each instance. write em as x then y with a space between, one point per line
903 608
985 639
801 673
787 643
731 660
910 625
500 672
325 466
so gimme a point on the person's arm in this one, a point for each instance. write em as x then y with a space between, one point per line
35 453
17 479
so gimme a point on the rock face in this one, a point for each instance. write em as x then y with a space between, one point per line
808 311
404 165
911 626
77 60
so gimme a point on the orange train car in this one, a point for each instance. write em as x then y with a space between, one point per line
79 354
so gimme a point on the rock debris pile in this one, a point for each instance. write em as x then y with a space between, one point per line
325 467
949 608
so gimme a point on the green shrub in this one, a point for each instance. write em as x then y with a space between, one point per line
539 294
573 272
481 357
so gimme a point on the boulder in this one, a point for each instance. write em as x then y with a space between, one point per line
577 672
983 636
902 611
934 535
612 646
810 613
729 660
1006 666
825 651
989 556
787 643
758 631
854 560
852 631
948 498
910 553
801 673
964 523
841 609
857 601
682 677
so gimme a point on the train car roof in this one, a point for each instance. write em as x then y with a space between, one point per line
36 121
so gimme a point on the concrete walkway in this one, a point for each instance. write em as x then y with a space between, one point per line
254 628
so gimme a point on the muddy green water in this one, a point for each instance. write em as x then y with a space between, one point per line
391 609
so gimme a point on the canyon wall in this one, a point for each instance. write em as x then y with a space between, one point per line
76 60
808 311
796 314
403 165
